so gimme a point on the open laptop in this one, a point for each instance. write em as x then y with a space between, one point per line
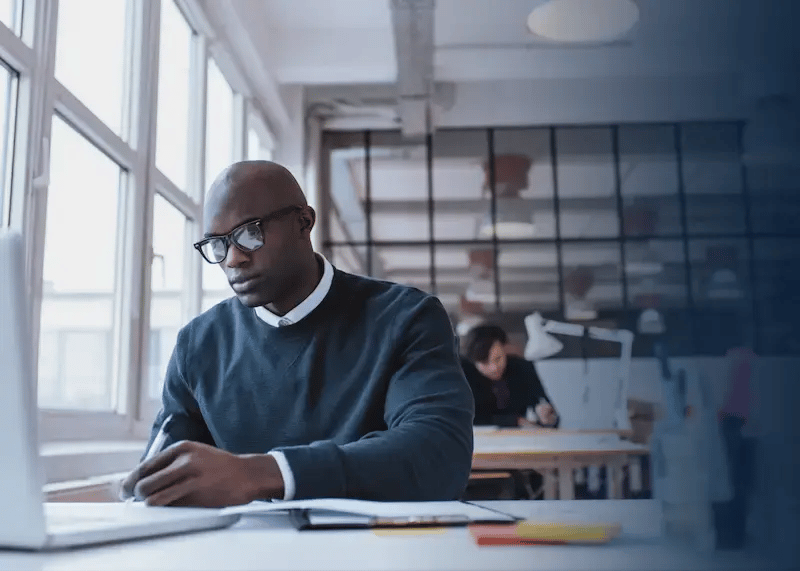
28 522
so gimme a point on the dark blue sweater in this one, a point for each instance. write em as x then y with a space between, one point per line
365 396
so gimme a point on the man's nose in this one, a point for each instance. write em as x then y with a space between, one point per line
236 258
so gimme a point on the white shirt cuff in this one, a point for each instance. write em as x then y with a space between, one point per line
286 474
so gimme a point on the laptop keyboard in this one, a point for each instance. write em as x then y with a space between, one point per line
60 519
80 522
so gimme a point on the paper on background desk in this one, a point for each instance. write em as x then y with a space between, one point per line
376 509
555 442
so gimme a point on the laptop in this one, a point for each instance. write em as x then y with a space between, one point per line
29 522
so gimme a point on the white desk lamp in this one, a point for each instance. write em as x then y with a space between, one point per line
541 345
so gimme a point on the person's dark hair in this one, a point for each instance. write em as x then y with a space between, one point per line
480 340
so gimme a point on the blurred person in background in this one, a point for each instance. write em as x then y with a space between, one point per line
507 388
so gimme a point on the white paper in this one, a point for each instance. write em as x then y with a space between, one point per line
375 509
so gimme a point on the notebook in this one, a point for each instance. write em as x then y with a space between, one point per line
329 513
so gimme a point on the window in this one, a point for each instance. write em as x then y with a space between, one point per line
91 62
11 14
174 83
120 69
215 285
219 155
259 141
80 273
8 106
219 124
168 306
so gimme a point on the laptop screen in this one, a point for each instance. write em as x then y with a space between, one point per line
21 478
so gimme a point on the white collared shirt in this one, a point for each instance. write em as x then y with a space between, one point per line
304 307
299 312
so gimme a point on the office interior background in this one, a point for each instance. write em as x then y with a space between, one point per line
444 145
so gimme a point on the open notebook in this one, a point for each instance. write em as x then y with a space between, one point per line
329 513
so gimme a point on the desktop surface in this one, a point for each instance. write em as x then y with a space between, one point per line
271 542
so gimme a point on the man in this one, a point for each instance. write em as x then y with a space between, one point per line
505 386
314 382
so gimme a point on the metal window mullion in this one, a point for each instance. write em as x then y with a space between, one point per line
196 169
29 189
15 52
557 216
140 114
239 131
748 225
84 121
368 199
690 303
493 197
195 15
175 196
620 216
229 68
431 211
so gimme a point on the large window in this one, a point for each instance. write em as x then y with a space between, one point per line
259 140
11 14
95 76
220 131
168 302
219 126
592 224
121 99
174 94
80 274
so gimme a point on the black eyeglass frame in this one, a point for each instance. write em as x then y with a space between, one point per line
259 223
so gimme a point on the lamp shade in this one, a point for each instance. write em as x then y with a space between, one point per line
510 174
540 343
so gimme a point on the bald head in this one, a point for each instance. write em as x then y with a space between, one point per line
282 269
253 183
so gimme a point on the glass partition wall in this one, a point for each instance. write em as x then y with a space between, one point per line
647 227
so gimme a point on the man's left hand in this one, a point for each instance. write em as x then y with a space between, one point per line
196 474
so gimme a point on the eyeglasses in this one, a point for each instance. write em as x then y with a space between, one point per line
248 237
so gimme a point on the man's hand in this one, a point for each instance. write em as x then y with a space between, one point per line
195 474
546 413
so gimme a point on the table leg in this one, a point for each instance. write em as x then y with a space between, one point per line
550 484
566 483
635 474
614 479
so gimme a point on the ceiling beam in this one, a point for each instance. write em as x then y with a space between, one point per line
412 21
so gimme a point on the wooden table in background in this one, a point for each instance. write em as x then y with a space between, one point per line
556 455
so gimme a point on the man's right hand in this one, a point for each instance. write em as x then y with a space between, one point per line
195 474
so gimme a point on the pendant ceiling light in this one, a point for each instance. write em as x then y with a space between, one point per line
513 216
583 21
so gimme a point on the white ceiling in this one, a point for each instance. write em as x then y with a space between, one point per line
313 42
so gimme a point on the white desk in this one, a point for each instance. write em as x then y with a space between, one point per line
556 455
268 542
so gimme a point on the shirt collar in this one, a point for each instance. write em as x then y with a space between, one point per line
306 306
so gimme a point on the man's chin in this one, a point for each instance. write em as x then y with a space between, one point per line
252 299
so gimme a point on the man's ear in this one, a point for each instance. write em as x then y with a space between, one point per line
307 219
